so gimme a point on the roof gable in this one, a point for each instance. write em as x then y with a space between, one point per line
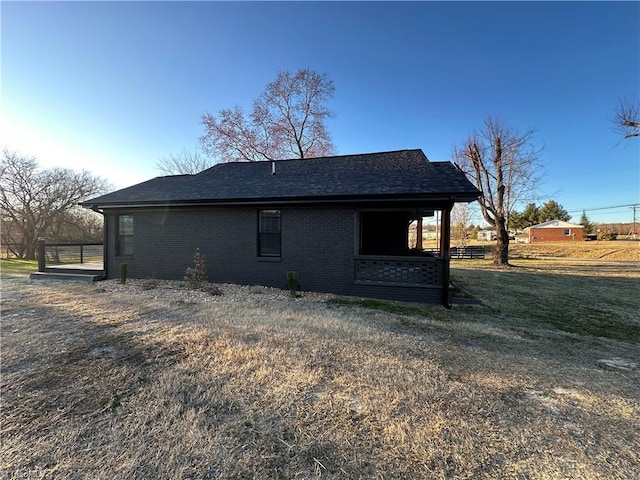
383 174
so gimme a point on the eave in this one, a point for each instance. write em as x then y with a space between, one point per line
398 200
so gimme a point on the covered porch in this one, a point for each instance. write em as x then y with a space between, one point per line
69 261
393 253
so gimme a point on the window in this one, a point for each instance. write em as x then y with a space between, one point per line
567 232
269 233
124 240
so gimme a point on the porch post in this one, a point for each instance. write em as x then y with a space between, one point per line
445 240
105 237
419 233
41 254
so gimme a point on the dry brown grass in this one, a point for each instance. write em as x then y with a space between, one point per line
103 382
602 250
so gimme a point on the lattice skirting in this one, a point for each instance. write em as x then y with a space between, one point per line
401 272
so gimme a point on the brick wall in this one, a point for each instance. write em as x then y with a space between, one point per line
317 243
537 235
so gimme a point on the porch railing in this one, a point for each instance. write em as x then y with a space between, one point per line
393 270
59 254
63 253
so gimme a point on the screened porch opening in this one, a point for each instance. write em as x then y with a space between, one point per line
396 249
425 233
400 233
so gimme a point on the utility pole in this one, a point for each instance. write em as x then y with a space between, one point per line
633 207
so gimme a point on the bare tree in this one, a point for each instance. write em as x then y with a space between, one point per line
287 121
35 201
504 165
78 225
627 119
460 220
183 163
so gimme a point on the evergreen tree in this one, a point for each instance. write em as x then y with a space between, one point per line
552 210
584 221
521 220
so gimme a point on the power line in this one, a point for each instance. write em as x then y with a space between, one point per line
632 205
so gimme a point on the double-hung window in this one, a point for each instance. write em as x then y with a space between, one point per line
269 228
124 240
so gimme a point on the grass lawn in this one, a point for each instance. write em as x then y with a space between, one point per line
15 267
148 380
578 296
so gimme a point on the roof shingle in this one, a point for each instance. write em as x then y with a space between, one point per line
383 174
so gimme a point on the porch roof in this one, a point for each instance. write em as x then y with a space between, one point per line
403 175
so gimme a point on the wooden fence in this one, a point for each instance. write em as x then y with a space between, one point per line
468 253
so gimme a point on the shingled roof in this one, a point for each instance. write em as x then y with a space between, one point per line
402 174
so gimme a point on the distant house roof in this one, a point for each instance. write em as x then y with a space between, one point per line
402 174
556 224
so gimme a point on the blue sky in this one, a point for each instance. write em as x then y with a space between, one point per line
113 86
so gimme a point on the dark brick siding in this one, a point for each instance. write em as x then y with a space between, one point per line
318 243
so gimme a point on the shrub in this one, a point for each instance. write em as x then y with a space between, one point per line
196 277
607 235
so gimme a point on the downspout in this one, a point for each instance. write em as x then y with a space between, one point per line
445 240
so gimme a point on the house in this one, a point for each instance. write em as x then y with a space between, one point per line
555 231
341 222
487 235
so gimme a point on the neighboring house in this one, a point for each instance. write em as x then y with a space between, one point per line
341 223
487 235
555 231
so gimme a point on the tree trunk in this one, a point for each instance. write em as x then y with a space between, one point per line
501 253
30 251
